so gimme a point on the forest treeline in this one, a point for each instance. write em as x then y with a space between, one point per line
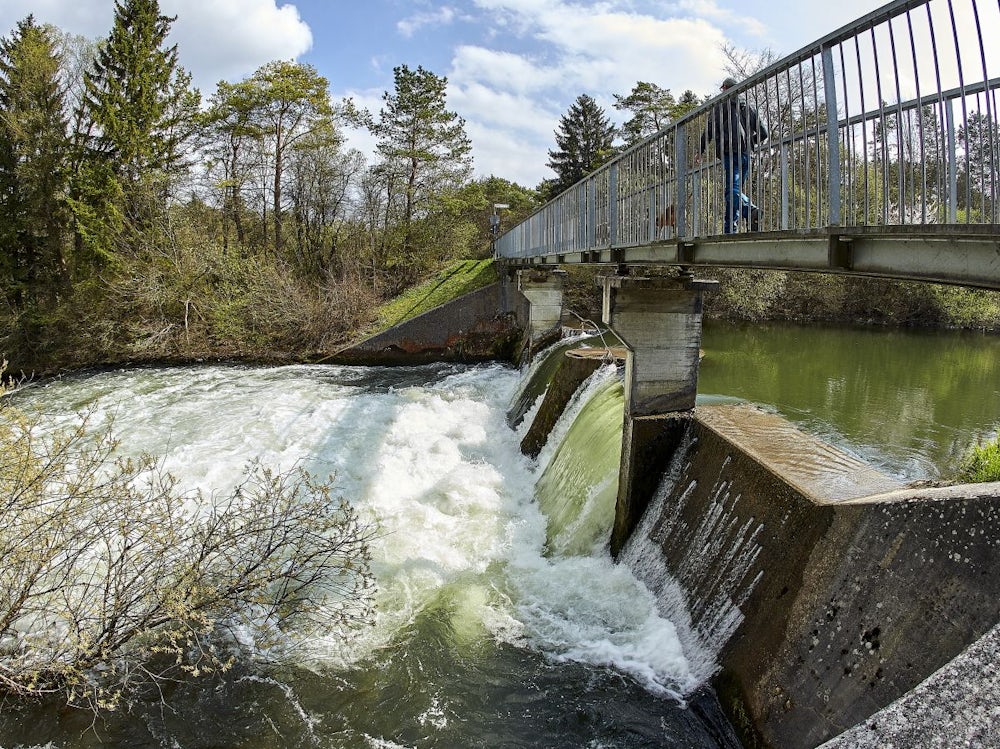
141 219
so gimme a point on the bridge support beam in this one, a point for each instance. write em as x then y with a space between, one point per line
544 291
660 321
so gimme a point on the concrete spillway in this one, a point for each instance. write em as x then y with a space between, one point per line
825 597
819 471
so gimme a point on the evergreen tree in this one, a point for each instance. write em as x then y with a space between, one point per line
584 142
424 148
140 114
33 150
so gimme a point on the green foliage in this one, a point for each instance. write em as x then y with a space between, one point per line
982 464
114 581
425 155
137 97
281 106
968 308
452 282
653 108
815 297
583 142
33 168
139 114
746 294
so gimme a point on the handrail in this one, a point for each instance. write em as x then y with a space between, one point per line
878 123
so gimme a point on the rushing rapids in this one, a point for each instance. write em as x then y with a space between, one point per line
501 619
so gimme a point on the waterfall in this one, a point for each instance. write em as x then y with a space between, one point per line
491 567
579 484
703 585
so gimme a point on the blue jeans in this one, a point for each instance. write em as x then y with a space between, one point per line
737 170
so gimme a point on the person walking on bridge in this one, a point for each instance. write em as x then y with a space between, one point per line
735 129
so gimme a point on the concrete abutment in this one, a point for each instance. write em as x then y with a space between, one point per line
660 322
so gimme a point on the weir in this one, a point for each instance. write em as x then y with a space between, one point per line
823 588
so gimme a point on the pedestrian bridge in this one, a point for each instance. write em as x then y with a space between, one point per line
882 159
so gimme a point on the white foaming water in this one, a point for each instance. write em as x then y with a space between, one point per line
426 455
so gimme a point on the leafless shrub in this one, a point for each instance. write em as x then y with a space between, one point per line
112 581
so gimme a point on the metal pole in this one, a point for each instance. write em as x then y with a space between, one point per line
832 138
613 205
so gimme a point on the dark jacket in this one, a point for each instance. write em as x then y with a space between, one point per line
733 126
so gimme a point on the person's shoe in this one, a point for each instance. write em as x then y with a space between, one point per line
755 219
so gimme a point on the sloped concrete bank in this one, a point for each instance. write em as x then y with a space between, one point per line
821 612
482 325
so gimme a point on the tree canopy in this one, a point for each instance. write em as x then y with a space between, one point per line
584 141
652 108
33 168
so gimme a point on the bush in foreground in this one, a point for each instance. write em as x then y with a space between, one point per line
112 581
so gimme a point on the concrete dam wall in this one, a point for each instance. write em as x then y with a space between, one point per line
820 613
818 590
823 589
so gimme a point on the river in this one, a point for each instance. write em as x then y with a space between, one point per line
502 622
909 401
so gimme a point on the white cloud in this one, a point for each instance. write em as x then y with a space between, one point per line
216 39
711 10
90 18
440 17
513 101
228 39
503 71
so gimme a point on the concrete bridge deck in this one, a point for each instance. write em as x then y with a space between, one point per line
967 255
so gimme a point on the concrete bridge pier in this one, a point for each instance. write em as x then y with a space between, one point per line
544 291
660 321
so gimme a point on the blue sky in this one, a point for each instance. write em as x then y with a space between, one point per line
513 66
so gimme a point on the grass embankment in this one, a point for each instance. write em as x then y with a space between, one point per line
451 283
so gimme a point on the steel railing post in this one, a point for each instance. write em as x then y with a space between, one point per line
681 175
832 138
783 157
613 205
949 113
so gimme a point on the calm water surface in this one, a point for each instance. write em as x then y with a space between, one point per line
911 402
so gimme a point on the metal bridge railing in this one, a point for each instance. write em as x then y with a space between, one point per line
891 120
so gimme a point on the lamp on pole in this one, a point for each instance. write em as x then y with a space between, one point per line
495 225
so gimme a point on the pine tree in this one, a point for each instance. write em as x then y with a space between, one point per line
260 122
584 142
140 113
652 108
424 148
33 151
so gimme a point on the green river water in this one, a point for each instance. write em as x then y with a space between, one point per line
911 402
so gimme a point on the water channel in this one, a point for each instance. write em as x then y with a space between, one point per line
502 622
